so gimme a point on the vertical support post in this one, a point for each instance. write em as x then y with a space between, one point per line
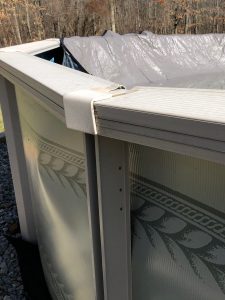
17 158
114 207
93 211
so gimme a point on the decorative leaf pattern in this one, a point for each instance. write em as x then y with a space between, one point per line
64 163
197 232
66 170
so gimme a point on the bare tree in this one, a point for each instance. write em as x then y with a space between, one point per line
30 20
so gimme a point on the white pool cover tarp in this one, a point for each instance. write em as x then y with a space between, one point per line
148 59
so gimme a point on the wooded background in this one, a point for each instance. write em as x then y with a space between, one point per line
30 20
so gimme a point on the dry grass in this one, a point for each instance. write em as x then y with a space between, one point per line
1 122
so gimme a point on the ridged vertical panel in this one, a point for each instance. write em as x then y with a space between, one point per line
178 226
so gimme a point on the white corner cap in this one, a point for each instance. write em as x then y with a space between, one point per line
79 109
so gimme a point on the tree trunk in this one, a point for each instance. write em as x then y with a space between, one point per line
112 13
28 18
138 25
186 23
17 28
218 13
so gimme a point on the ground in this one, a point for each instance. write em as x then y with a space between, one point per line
11 286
